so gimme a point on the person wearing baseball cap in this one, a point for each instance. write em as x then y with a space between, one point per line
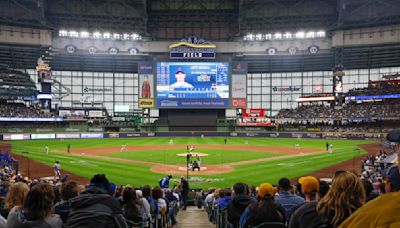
384 210
306 215
264 210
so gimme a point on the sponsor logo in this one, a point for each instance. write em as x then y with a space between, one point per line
114 135
146 103
285 89
167 103
239 103
88 90
192 48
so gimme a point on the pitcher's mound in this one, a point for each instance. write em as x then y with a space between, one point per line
183 168
193 154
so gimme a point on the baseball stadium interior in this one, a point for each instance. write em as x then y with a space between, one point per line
200 113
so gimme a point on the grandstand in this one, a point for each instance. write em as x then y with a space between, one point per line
264 113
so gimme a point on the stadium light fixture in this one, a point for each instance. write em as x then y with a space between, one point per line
300 35
135 36
310 34
268 36
106 35
63 33
73 34
278 36
117 36
259 37
84 34
321 34
96 35
125 36
287 35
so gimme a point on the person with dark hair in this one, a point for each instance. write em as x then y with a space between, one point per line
369 190
184 187
287 200
130 205
146 191
264 210
164 182
36 210
95 207
323 188
69 190
241 199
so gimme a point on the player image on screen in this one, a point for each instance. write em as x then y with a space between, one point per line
186 80
180 81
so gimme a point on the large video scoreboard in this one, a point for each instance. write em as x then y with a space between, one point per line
193 85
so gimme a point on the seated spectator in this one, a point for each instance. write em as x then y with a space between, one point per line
225 196
264 210
15 197
144 206
346 195
95 207
287 200
238 204
172 201
369 190
69 190
36 210
306 215
383 211
323 188
157 194
130 205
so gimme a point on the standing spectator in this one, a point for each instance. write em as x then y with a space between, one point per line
164 182
265 210
184 187
288 200
383 211
306 215
15 197
69 190
238 204
346 195
95 207
36 211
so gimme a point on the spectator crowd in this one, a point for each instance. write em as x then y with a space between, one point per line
22 111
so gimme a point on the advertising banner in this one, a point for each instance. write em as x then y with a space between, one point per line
146 102
68 136
20 119
253 113
16 137
146 68
121 108
95 113
43 136
92 135
238 102
239 86
192 103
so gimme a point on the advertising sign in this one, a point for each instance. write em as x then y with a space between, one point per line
92 135
146 102
43 136
193 103
68 136
192 48
238 102
16 137
239 86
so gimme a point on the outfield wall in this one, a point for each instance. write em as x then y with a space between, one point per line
97 135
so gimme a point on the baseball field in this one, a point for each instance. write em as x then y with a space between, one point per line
146 160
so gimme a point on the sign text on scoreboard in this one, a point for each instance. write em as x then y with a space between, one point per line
192 48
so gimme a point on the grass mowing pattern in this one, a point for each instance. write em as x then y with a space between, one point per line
126 173
169 156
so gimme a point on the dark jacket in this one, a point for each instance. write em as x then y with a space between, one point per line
266 210
94 208
185 187
17 219
62 209
236 207
307 216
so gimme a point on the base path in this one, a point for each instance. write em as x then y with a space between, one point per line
285 152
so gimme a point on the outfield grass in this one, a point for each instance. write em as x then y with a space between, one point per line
127 173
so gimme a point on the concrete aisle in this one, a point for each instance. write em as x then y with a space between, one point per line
193 218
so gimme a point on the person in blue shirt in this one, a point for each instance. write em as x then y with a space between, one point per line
288 201
164 182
